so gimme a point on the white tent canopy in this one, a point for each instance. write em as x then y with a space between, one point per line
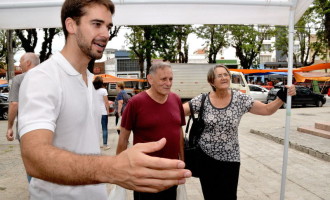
23 14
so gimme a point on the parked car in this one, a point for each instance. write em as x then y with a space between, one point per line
4 110
258 93
303 97
3 97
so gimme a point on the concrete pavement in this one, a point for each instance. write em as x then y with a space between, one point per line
308 177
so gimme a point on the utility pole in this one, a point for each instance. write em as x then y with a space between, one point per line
10 55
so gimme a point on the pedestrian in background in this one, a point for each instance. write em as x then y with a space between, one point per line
59 120
154 114
103 102
219 147
120 102
27 62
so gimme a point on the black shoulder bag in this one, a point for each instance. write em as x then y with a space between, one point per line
191 147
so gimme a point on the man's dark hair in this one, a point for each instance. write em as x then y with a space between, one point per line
98 82
75 9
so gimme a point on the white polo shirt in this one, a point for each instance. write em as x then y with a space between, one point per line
54 96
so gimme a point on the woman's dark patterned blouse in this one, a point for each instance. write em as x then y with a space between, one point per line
219 139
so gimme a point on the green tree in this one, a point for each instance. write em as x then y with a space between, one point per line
182 32
29 39
3 47
215 37
170 42
322 9
138 45
164 42
309 33
248 42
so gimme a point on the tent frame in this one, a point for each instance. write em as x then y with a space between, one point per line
291 4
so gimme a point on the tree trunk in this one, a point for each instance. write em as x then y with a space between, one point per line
147 36
29 43
46 48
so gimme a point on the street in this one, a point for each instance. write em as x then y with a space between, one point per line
308 177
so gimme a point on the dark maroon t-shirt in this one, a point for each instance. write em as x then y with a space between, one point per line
151 121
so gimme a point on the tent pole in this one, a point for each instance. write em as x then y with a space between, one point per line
288 108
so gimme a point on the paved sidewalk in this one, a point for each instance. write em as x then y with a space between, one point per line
302 117
308 177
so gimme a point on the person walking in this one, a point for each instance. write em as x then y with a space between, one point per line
219 146
102 98
27 62
153 114
59 120
120 102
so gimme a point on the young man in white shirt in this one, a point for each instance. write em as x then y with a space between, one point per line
59 120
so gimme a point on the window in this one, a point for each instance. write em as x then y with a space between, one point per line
264 59
254 88
126 65
267 47
237 79
267 37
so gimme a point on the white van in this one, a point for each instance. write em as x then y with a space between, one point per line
190 80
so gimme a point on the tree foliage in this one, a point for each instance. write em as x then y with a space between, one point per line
215 37
170 42
310 34
138 44
3 47
165 41
322 10
248 41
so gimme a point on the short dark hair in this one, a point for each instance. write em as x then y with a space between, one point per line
98 82
211 75
75 10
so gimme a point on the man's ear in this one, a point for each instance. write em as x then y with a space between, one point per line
70 25
149 78
28 63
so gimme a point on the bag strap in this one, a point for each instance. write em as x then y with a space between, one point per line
202 107
192 114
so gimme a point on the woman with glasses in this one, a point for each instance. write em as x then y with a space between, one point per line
219 146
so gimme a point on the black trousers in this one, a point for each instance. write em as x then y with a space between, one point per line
169 194
218 179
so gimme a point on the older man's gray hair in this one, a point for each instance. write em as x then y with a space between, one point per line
157 66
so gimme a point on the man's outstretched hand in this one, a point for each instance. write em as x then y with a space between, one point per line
134 169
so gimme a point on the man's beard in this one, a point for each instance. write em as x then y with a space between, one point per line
87 48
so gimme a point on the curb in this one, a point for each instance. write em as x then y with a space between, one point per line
304 149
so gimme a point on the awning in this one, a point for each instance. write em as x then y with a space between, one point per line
113 79
23 14
316 76
302 69
3 81
3 85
